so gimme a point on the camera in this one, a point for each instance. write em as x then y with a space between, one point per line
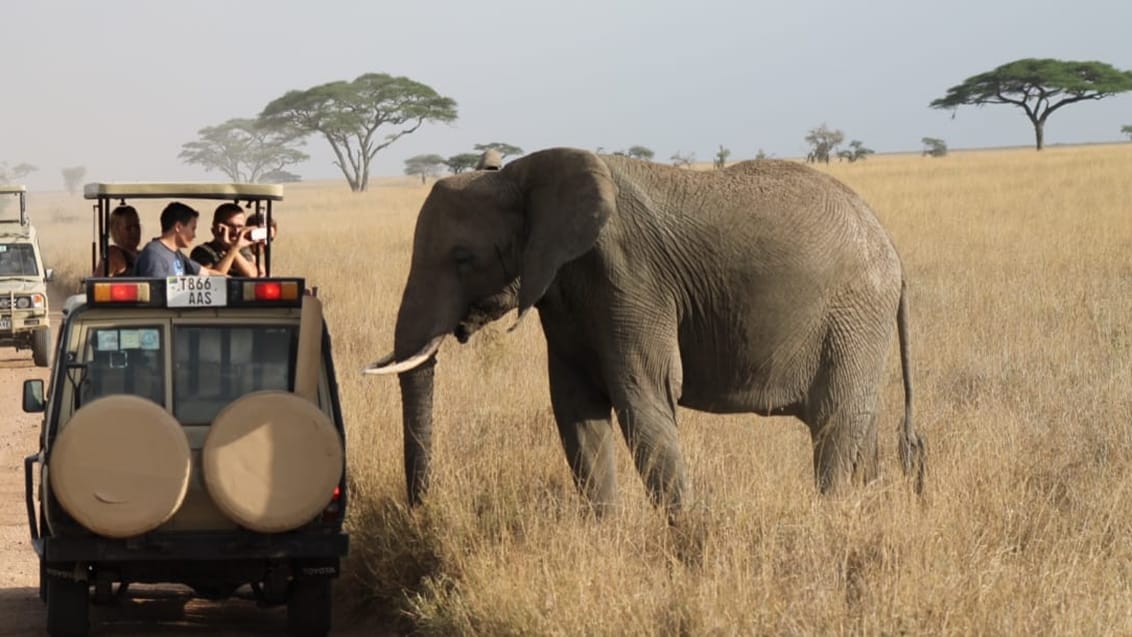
258 234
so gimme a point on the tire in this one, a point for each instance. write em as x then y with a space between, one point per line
309 607
41 347
68 606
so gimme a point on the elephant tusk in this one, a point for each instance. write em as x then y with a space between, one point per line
386 365
518 319
383 361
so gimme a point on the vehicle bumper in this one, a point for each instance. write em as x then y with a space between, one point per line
12 324
194 546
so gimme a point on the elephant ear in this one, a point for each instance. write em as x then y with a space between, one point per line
568 195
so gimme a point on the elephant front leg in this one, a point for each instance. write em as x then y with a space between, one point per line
583 413
650 430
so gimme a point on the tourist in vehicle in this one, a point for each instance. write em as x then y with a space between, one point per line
162 256
228 220
255 221
125 231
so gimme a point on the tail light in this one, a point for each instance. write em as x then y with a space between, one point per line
333 510
121 292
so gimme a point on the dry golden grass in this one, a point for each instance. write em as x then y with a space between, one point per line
1021 286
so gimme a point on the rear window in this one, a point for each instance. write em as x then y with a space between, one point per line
125 360
214 365
17 259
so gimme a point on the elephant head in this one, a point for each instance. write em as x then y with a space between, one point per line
485 243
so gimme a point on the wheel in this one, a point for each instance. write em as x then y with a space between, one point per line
41 347
309 607
68 604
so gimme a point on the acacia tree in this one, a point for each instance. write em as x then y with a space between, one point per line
245 149
1127 130
12 173
503 149
640 152
72 177
721 157
823 142
685 160
459 163
425 166
349 116
1039 87
856 151
934 147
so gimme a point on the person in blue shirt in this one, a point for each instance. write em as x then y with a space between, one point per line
162 256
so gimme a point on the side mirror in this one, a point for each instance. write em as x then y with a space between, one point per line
33 396
50 275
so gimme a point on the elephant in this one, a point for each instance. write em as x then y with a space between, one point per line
766 287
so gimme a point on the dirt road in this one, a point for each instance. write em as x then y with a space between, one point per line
149 611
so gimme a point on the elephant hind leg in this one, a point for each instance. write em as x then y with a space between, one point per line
845 449
584 417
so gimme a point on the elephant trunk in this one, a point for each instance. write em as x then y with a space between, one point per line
416 418
420 328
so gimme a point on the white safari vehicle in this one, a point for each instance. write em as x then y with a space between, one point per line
191 434
24 321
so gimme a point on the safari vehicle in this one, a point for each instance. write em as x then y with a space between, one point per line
24 322
192 434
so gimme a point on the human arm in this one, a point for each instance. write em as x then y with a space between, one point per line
232 258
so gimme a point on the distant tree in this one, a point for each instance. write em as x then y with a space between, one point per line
73 177
12 173
504 150
934 147
245 149
680 159
1127 130
459 163
856 151
425 166
350 114
823 142
721 157
761 154
1039 87
279 177
640 152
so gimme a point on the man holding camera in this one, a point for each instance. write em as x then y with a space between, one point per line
228 231
162 256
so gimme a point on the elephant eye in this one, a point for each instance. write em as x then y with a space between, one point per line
463 256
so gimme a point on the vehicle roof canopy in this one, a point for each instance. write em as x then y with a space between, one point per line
9 189
187 190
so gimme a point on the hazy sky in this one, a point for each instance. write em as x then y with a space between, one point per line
119 86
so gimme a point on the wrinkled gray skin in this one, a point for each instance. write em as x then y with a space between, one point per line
766 287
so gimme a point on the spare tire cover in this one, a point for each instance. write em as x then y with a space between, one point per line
121 466
271 461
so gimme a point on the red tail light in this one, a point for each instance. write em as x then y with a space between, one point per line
120 292
330 513
268 291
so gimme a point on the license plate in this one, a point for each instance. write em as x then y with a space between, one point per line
5 323
196 291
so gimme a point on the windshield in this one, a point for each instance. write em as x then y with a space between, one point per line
212 365
17 259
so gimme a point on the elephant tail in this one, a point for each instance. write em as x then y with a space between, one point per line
912 447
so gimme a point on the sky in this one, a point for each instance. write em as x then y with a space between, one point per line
119 85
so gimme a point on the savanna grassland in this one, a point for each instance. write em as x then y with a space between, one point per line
1020 270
